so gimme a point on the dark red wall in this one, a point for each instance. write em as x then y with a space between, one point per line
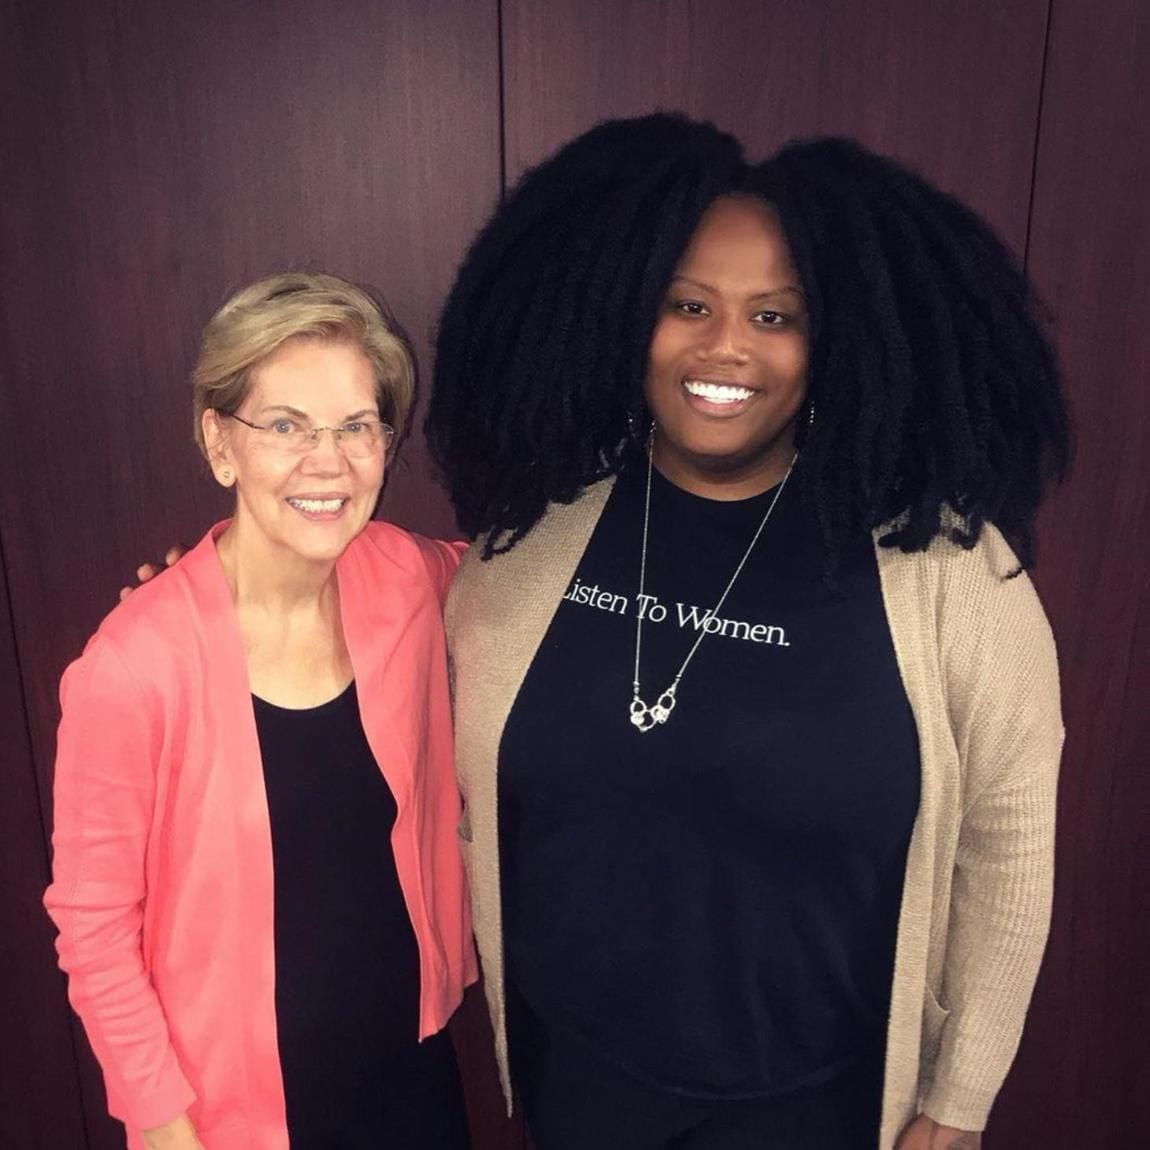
952 87
1083 1074
38 1072
155 155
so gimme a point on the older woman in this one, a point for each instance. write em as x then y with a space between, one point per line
256 876
757 715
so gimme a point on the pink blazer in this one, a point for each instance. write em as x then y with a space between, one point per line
162 875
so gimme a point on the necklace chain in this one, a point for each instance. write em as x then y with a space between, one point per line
645 717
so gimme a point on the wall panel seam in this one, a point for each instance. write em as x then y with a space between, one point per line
1037 135
8 616
499 52
9 610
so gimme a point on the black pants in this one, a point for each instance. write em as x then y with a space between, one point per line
574 1100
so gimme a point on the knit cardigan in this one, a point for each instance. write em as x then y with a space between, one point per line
978 664
163 885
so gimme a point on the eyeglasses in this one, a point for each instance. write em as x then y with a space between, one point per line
289 435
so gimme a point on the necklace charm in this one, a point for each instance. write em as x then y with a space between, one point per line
647 718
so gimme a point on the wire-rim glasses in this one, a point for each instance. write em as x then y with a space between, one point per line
290 435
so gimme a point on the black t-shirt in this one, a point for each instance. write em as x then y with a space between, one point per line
713 904
347 961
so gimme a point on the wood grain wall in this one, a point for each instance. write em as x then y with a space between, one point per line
155 155
1083 1071
948 86
38 1070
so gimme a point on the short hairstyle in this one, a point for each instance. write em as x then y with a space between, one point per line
260 318
938 404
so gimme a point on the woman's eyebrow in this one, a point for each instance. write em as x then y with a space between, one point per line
787 290
304 415
283 407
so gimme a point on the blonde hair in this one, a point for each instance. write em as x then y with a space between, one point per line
260 318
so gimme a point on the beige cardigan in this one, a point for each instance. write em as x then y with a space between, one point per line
978 664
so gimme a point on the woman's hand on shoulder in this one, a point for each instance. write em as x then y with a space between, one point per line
179 1134
148 571
926 1134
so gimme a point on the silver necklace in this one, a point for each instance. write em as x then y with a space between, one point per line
645 717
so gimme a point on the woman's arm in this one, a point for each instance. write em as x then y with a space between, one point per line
1001 679
442 559
108 748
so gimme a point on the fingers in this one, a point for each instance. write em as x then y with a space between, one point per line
143 573
147 571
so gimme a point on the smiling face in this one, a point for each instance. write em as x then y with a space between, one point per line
306 506
726 372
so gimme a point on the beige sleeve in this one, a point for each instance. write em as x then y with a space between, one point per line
1001 677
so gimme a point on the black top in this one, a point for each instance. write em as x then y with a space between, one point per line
347 962
713 904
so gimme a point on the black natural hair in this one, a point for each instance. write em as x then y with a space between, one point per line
936 394
936 397
542 346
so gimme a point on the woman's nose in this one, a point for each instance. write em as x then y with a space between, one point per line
324 453
724 340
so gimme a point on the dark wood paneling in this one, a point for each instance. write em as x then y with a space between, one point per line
39 1092
163 155
156 156
949 86
1082 1074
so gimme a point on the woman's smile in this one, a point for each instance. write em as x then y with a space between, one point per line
319 508
717 398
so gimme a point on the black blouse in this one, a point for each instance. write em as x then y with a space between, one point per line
347 962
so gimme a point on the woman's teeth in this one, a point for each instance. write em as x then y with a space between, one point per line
316 506
717 392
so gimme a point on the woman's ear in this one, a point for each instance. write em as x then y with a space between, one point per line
216 448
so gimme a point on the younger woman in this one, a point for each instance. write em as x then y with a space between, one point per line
757 715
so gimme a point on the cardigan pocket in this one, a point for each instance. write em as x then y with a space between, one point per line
934 1016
